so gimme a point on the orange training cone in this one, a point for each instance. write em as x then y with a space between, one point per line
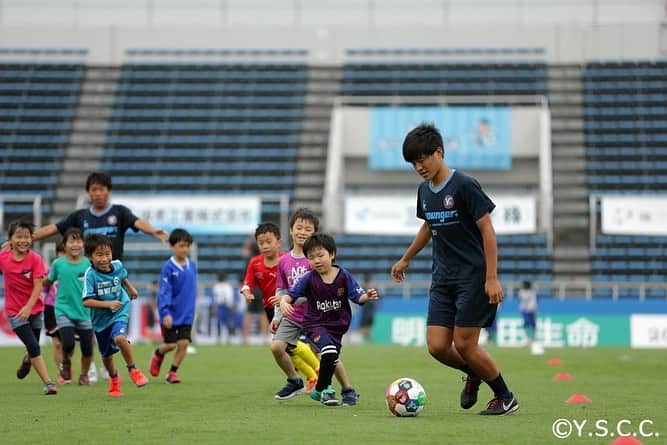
562 376
555 361
626 441
578 399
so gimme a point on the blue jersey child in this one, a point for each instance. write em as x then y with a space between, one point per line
105 292
327 289
176 304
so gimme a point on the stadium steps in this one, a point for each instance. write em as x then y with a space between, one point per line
572 261
84 152
571 219
322 86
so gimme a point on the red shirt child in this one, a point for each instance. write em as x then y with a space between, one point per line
19 278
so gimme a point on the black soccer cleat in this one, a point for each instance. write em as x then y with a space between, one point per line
500 406
469 392
24 368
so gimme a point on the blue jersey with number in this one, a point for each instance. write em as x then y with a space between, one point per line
107 286
452 211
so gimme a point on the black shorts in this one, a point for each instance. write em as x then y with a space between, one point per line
463 304
255 306
175 333
50 325
270 312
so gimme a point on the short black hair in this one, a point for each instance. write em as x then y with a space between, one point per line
423 140
304 215
178 235
20 224
72 232
320 239
60 247
100 178
92 242
222 276
267 227
526 285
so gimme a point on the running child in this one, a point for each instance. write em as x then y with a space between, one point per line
327 290
176 297
24 275
71 316
48 295
288 330
262 271
105 292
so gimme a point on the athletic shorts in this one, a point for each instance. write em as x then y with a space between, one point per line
463 304
255 306
288 331
528 319
105 338
36 321
64 322
175 333
321 336
270 312
50 323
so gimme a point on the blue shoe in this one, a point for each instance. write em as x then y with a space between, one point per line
350 397
329 397
291 389
315 395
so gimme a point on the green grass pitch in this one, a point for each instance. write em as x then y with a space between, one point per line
227 398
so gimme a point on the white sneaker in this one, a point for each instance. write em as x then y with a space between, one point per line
536 349
92 373
105 373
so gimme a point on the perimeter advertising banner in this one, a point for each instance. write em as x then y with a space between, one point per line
581 324
634 215
474 137
396 215
211 214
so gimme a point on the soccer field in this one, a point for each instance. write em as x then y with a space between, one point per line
227 398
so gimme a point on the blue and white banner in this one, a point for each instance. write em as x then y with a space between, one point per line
200 215
474 137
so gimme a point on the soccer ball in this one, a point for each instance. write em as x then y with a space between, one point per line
405 397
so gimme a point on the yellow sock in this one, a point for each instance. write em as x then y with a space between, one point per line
303 367
307 355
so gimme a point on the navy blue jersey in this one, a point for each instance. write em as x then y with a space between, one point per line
328 304
113 223
451 212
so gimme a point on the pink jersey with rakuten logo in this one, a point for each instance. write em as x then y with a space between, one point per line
290 271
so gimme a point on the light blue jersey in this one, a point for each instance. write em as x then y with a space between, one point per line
107 286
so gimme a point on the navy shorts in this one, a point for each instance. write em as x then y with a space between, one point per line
322 337
463 304
528 319
105 338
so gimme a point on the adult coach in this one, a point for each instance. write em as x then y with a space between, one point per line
102 217
465 290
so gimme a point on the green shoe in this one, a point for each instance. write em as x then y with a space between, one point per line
329 397
315 395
